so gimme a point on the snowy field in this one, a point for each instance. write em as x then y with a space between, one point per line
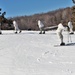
30 53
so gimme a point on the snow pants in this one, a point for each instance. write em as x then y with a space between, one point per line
60 36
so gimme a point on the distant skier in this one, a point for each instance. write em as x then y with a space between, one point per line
70 27
16 27
41 27
59 33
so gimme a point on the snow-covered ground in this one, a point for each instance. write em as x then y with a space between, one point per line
30 53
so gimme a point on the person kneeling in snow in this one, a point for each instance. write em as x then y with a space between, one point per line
41 27
16 27
59 33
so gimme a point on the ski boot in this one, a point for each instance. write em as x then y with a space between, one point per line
0 32
72 33
40 33
44 32
20 31
62 44
15 32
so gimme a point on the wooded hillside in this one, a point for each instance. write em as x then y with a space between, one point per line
49 19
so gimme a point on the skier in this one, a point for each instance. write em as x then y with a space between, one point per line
16 27
41 27
70 27
59 33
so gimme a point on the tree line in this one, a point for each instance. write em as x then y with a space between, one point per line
50 18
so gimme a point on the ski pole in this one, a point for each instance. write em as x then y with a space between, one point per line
70 38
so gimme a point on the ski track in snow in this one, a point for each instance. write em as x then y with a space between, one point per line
30 53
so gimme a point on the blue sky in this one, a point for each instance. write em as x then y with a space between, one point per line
15 8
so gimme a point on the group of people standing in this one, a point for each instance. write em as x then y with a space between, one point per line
41 26
60 29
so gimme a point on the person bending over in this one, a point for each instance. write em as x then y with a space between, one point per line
59 33
41 27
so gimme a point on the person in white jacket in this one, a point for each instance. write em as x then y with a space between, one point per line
59 33
70 27
16 27
41 27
